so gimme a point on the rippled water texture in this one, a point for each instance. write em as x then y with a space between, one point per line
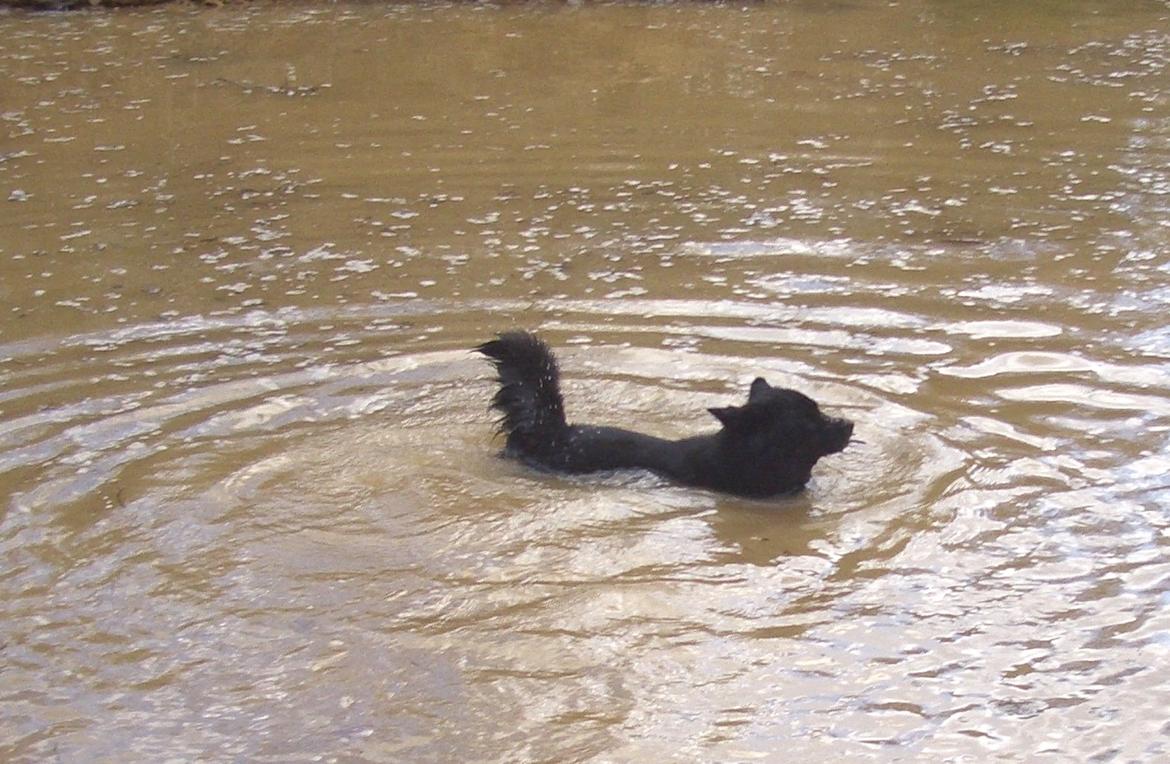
252 507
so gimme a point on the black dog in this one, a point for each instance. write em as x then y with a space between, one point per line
766 447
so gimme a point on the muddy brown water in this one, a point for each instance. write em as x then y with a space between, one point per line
251 503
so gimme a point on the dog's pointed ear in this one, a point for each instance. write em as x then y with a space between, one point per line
759 387
728 415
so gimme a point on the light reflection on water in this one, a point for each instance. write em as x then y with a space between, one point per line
252 502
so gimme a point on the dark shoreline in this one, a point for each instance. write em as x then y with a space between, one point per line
78 5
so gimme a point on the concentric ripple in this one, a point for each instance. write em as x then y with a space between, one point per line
223 526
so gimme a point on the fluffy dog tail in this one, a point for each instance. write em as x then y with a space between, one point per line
529 398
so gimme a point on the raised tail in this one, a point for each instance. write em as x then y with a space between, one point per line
529 397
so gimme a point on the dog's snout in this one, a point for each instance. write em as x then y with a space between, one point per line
840 431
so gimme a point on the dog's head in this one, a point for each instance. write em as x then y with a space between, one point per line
772 442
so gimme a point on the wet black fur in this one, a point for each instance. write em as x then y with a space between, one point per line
766 447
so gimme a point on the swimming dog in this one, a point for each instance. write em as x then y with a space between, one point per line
766 447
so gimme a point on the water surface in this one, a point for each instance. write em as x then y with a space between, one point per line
252 507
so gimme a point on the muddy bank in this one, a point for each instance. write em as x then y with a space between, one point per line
70 5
